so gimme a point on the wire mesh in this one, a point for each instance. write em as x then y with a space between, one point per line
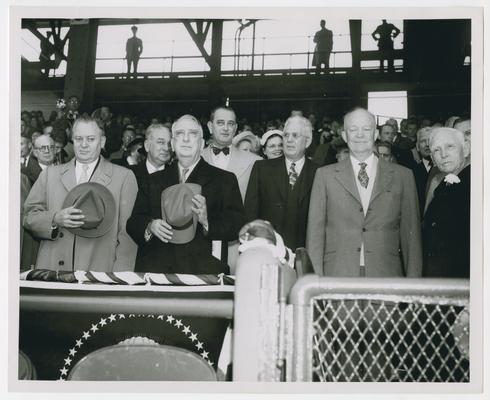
409 339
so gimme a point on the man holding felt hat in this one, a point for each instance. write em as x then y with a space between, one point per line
79 209
185 207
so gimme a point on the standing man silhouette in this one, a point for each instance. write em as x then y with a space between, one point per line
134 48
384 35
324 43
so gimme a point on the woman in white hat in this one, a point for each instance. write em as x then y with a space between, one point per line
272 143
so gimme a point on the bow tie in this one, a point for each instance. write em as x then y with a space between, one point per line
217 150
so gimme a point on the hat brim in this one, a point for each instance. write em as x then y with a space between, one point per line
109 208
186 233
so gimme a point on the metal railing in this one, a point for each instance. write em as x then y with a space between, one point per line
379 330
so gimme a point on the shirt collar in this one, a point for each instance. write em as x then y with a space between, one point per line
297 164
189 168
151 168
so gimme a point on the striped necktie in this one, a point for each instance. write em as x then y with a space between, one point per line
293 175
363 176
184 175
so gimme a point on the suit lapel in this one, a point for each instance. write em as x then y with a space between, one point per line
201 174
68 178
279 176
345 176
305 178
103 172
384 175
236 164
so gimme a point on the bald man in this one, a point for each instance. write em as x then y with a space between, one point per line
364 215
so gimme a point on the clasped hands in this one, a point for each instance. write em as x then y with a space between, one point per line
162 229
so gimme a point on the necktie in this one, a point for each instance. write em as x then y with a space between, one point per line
84 174
217 150
293 175
363 176
184 174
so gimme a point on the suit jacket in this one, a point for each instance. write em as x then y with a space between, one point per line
115 251
225 216
32 170
421 175
446 230
337 225
241 163
141 173
268 197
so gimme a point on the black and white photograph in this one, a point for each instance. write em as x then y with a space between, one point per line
276 199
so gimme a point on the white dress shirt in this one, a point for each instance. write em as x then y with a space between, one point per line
43 166
220 160
90 170
365 193
152 169
189 170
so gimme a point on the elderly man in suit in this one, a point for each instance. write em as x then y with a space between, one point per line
446 224
47 220
279 189
43 155
158 153
364 216
219 209
222 125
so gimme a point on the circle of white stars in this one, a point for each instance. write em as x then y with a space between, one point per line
169 319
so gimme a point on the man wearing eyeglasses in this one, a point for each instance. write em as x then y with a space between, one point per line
52 222
279 189
44 154
218 209
222 125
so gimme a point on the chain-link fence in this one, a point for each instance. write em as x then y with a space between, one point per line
392 330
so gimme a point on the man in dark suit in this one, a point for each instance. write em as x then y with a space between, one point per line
279 189
158 153
43 154
422 169
446 225
219 209
364 216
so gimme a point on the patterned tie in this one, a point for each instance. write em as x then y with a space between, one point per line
84 174
293 175
184 174
217 150
363 176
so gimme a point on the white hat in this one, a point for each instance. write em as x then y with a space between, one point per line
268 134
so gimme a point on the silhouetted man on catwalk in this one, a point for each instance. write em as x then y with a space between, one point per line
323 48
134 48
384 35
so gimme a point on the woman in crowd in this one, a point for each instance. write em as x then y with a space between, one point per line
272 143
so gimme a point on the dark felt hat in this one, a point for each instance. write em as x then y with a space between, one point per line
176 203
97 205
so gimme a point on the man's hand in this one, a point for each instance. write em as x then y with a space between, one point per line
161 229
69 217
200 209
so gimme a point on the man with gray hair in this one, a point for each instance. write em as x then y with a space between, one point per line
446 224
66 244
279 189
158 153
218 209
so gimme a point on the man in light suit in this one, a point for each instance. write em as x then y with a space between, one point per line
364 216
222 125
45 218
279 189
